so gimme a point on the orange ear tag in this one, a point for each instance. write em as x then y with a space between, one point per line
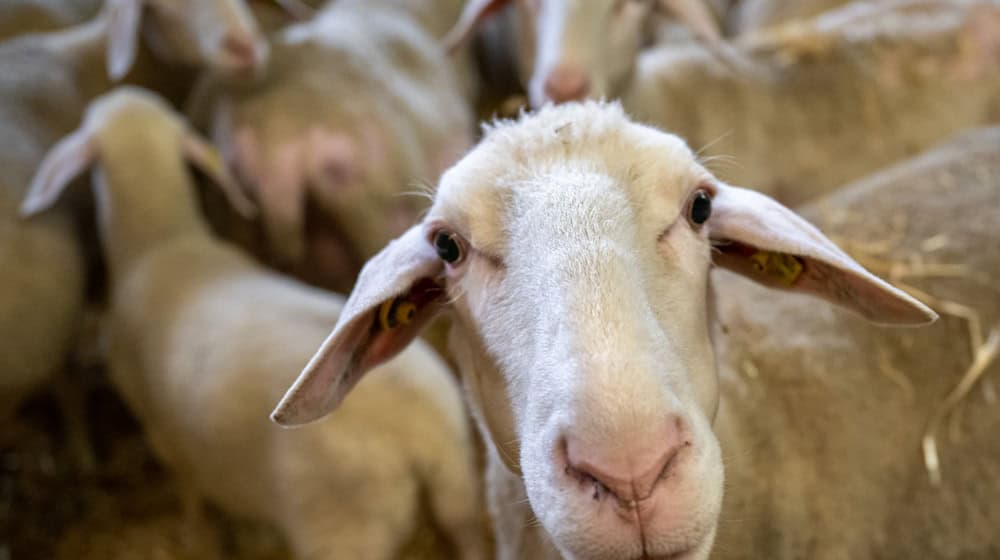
782 266
395 312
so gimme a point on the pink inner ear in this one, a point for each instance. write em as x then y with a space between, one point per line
427 295
756 236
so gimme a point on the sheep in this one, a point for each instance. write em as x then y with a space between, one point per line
46 82
839 96
748 16
202 339
572 249
569 50
852 402
359 106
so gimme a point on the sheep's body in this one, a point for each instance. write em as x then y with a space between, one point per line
42 298
202 341
361 105
823 445
748 16
835 96
19 17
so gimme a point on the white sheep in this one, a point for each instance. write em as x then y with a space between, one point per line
838 96
202 340
570 49
46 81
360 107
573 250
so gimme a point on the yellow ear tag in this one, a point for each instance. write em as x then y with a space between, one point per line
786 268
395 312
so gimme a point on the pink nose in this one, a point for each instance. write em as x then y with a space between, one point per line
241 50
567 83
629 466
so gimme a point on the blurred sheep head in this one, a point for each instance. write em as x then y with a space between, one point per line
571 50
220 35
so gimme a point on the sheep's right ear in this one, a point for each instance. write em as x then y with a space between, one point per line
474 12
397 293
70 157
124 19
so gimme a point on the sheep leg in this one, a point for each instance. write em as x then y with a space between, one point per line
71 398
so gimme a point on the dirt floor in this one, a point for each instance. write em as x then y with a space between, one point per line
126 507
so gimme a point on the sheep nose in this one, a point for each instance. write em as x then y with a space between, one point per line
628 466
567 83
241 50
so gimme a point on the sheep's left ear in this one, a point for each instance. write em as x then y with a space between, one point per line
759 238
397 293
124 19
66 160
207 158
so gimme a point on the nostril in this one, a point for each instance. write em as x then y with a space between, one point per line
630 473
567 84
241 48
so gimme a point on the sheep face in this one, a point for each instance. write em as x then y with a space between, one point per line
576 49
596 316
569 50
217 34
575 248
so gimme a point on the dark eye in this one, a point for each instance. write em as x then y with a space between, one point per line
447 247
701 208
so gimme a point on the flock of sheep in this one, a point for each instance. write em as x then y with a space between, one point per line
619 317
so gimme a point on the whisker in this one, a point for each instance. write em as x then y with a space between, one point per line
711 143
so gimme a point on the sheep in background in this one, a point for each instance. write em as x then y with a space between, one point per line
578 279
824 101
202 340
570 50
852 403
360 106
749 16
46 81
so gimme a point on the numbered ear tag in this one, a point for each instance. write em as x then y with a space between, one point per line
786 268
396 312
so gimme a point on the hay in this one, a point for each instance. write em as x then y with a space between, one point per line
896 376
985 355
874 255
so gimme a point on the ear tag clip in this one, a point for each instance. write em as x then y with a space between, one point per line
786 268
396 312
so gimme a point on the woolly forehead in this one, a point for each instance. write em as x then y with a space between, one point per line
578 163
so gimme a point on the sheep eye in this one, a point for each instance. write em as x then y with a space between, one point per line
447 247
701 208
